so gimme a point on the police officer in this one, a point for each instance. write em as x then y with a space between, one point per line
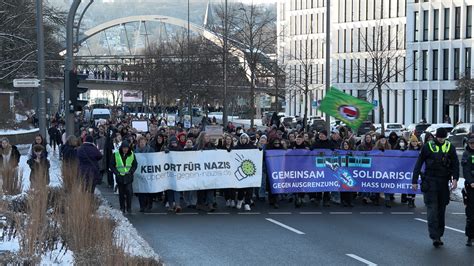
467 163
123 165
441 174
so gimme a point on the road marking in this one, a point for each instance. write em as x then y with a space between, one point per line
187 213
447 227
278 213
285 226
218 213
458 213
371 212
402 213
249 213
155 213
361 259
310 213
340 212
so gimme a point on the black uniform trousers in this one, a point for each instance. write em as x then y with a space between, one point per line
436 199
470 212
125 196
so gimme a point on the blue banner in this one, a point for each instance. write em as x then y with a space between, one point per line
294 171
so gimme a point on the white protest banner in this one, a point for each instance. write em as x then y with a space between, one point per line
197 170
171 120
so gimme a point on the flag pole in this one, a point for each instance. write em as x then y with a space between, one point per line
328 58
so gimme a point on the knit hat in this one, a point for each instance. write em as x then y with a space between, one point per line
413 138
324 132
441 133
244 135
471 139
125 144
173 139
89 139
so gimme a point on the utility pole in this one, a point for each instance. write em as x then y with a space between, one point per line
41 76
190 104
224 103
69 66
328 57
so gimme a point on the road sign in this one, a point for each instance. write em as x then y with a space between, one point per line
26 83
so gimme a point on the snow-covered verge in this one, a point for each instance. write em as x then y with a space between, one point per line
17 131
124 232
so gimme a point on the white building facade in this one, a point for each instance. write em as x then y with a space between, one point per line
407 40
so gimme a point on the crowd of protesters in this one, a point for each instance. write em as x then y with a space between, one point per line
105 151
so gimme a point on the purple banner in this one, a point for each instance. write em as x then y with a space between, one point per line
294 171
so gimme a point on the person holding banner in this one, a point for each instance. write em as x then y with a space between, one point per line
205 199
229 193
244 144
144 199
323 143
365 145
346 197
441 174
275 144
124 165
382 145
299 145
468 195
172 195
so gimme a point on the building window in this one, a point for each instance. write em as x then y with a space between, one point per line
344 71
445 64
467 63
469 22
425 65
446 23
456 63
415 65
457 23
425 25
435 64
415 36
435 24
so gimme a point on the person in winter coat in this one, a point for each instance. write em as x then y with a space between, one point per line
144 199
392 140
123 165
244 195
69 151
40 140
366 144
181 139
54 136
89 156
205 197
9 155
346 197
39 166
229 193
382 145
467 163
101 142
322 143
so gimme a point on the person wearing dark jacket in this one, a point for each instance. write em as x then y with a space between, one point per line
173 196
274 144
89 156
441 168
244 195
323 143
54 136
39 165
467 163
123 165
144 199
393 140
205 198
9 154
229 193
299 145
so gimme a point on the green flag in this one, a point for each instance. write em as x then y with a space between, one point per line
349 109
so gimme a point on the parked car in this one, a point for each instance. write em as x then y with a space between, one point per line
317 124
417 129
391 127
432 129
460 133
365 127
288 121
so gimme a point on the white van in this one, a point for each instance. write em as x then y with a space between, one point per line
100 114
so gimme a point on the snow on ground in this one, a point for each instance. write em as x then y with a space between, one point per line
17 131
126 233
58 257
20 118
54 171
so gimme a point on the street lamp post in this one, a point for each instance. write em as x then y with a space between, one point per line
190 105
224 111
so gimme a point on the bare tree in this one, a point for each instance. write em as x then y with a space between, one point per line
463 94
382 48
254 27
301 79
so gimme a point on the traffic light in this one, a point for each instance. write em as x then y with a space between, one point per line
74 91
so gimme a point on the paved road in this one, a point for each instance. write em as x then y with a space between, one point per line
311 235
